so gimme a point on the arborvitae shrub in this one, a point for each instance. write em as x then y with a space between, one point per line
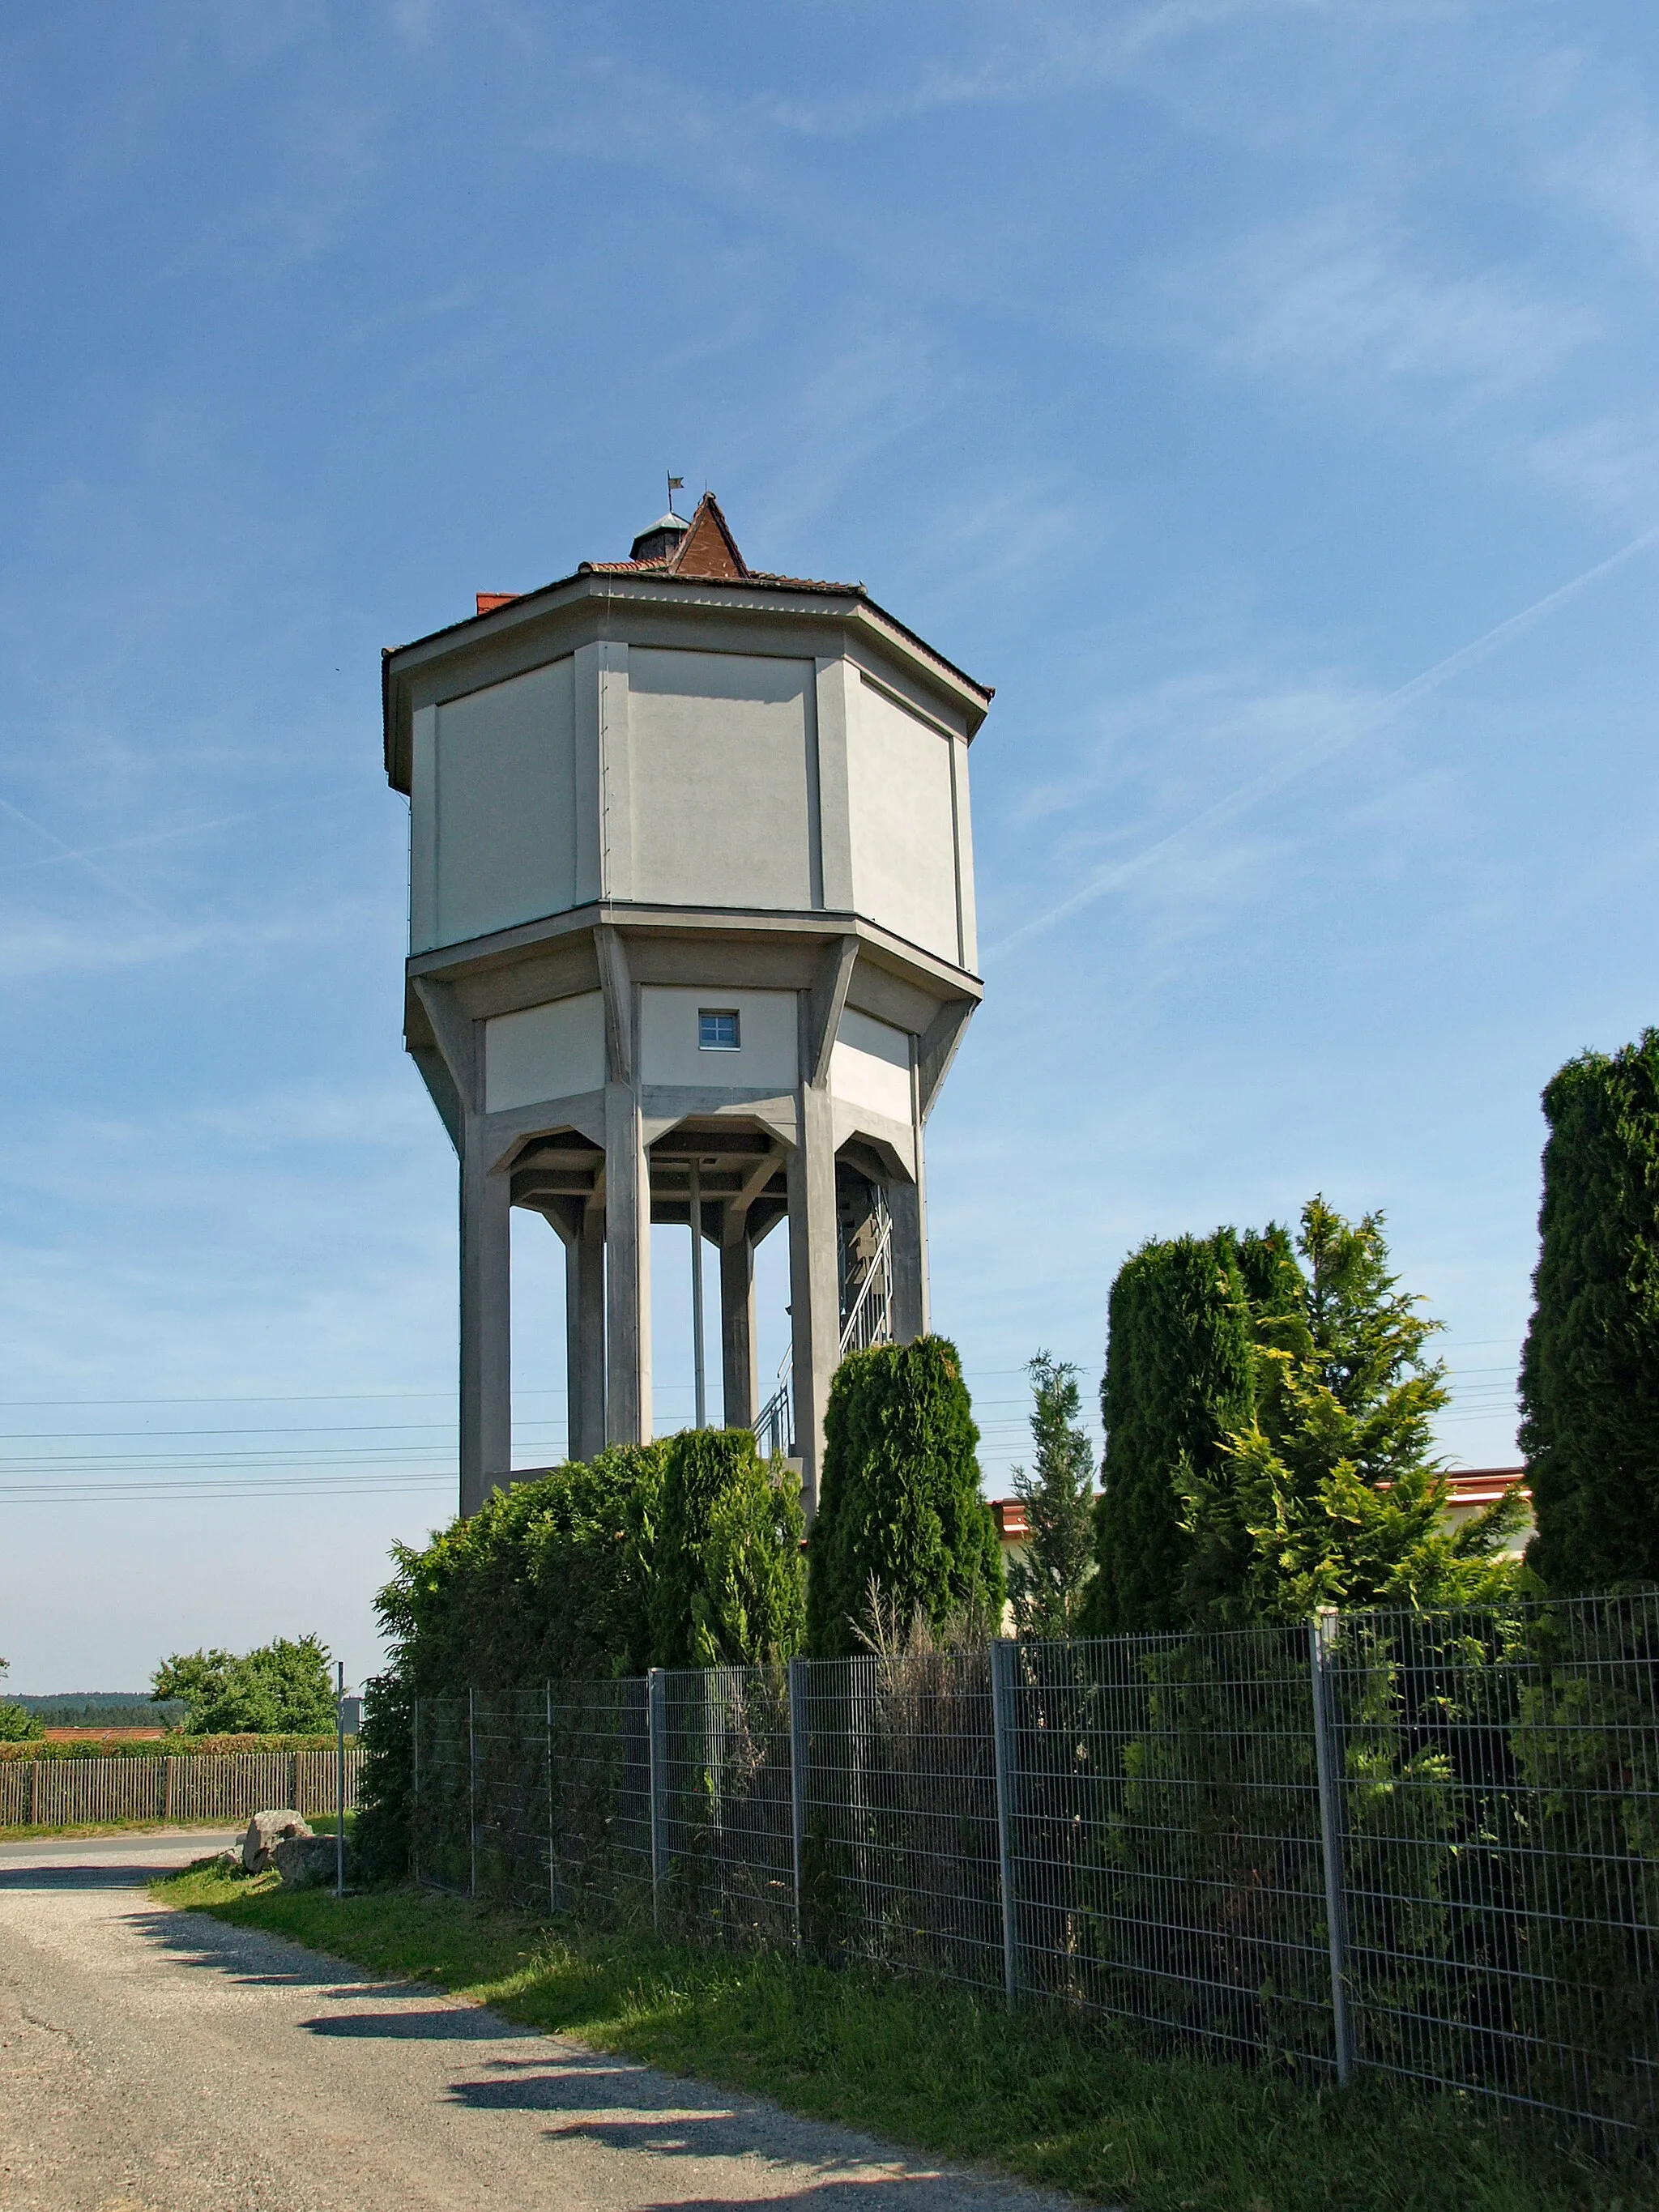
730 1584
1180 1378
1589 1374
900 1504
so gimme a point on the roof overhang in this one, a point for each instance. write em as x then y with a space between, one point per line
580 602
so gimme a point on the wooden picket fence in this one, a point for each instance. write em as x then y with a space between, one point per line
224 1786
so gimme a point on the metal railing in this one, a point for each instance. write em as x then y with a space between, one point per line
1421 1845
774 1424
870 1319
167 1786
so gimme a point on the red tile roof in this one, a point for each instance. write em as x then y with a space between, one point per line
707 553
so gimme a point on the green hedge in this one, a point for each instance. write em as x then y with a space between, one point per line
167 1747
679 1553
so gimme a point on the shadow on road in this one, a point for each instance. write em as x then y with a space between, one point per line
450 2024
77 1877
899 2192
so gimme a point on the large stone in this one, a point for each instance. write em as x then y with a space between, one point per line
304 1862
265 1831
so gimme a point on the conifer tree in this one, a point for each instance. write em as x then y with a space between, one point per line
730 1583
1046 1587
1180 1377
900 1515
1590 1373
1330 1495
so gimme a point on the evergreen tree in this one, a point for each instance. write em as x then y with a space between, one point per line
1590 1373
1046 1587
900 1515
1329 1495
730 1583
1180 1376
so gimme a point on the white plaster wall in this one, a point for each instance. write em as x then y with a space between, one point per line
767 1061
552 1051
720 778
505 800
870 1066
902 822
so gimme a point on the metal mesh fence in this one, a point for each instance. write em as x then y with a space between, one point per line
1426 1845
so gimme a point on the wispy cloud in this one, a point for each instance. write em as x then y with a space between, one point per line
1335 296
36 946
1333 740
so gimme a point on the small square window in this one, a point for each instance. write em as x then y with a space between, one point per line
717 1029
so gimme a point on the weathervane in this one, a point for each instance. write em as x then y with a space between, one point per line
675 483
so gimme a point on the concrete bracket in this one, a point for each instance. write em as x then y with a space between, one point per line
615 982
824 1005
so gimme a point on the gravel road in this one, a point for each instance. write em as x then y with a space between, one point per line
156 2061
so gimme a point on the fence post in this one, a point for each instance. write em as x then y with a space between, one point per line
414 1791
656 1748
294 1782
472 1796
552 1878
34 1793
797 1777
1002 1745
1328 1754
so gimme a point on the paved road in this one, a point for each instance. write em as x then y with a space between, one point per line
153 2061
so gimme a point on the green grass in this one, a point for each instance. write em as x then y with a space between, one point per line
1034 2094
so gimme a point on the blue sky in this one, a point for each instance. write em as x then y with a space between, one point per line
1210 378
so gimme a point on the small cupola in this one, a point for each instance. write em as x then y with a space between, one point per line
662 540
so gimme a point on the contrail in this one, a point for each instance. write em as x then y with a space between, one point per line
1430 679
68 852
88 853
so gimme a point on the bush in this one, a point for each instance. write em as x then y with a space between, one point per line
549 1580
284 1688
17 1724
900 1515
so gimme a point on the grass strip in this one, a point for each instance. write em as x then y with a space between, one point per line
1046 2097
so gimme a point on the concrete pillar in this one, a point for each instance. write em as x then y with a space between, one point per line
909 1249
486 1427
590 1441
583 1231
627 1270
814 1284
740 1374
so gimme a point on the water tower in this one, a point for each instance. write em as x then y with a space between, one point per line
691 939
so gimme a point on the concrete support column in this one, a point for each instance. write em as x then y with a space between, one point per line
591 1357
627 1270
814 1286
583 1330
740 1374
486 1426
909 1247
